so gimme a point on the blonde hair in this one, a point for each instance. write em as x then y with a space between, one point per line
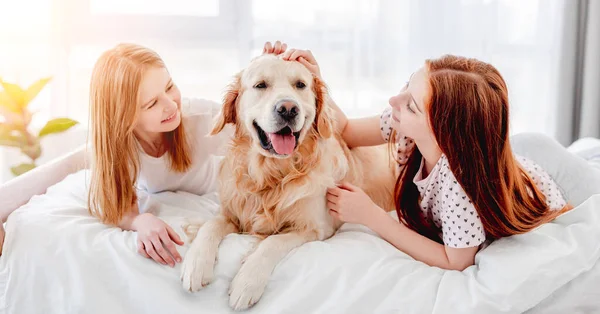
114 96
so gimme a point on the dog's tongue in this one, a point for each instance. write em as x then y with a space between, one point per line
283 144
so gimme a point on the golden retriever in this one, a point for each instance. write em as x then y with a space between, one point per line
273 181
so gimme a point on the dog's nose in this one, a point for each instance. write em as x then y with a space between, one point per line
287 110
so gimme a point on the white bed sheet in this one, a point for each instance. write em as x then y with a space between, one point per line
61 260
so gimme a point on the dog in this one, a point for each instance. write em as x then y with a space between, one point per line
285 153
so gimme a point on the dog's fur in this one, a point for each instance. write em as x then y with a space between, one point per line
279 198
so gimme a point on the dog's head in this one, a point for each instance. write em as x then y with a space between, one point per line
277 104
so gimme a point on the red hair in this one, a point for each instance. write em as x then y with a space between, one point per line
469 113
114 96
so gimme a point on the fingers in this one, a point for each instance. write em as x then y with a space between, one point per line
333 206
333 202
165 237
162 252
305 63
152 253
334 191
334 214
161 247
297 53
305 58
142 249
279 47
301 53
268 47
174 236
304 54
276 48
348 186
286 55
332 198
309 57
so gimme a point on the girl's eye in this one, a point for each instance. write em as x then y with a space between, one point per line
169 88
409 108
153 103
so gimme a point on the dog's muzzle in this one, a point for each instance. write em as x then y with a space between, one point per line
285 140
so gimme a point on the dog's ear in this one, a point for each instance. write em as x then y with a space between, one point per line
228 111
323 121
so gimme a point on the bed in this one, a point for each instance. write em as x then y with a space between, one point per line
61 260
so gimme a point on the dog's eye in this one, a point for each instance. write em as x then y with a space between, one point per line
300 85
261 85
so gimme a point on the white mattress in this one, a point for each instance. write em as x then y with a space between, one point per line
60 260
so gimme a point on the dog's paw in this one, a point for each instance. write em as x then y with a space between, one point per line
247 287
197 270
191 226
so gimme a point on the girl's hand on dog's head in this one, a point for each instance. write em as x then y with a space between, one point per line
276 49
303 56
306 58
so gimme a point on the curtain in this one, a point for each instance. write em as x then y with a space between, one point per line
367 49
579 89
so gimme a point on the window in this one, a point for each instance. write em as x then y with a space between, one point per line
367 49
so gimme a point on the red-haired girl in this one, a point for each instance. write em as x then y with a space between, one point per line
459 182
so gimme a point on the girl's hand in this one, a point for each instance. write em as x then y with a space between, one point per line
349 203
275 49
156 239
306 58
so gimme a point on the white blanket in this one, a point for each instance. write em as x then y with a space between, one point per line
60 260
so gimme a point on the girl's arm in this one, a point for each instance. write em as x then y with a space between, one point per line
420 247
363 132
357 132
351 204
18 191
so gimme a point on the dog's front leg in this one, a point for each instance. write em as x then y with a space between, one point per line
199 261
249 284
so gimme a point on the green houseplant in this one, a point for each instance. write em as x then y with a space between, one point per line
15 119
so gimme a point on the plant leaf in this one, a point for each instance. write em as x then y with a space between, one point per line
21 169
33 90
57 125
14 92
7 102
